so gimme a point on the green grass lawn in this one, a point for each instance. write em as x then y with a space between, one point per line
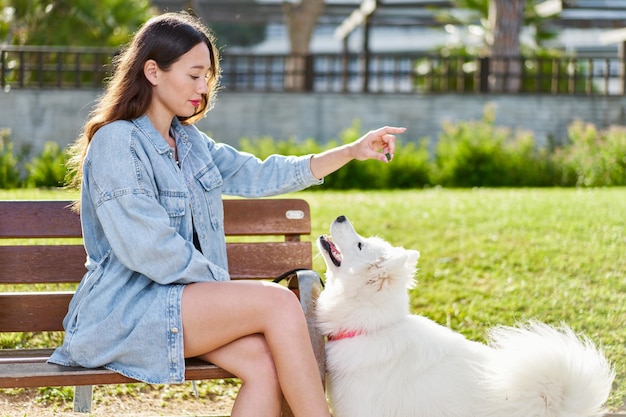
497 256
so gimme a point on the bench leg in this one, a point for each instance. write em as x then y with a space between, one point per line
307 284
82 398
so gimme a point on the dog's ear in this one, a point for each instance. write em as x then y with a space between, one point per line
401 259
401 263
412 257
411 263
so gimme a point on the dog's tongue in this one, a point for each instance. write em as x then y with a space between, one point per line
333 251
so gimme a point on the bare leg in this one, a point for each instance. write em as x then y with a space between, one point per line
222 320
251 360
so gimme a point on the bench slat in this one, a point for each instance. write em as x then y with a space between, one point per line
14 374
65 264
269 260
41 264
23 219
30 355
267 217
33 312
48 219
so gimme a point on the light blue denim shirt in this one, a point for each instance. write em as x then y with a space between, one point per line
137 207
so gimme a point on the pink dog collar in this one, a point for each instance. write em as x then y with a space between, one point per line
344 335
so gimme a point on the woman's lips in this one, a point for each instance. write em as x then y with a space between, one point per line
195 103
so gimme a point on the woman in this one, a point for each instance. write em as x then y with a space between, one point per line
157 288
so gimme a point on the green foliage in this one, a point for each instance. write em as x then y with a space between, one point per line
54 395
264 147
471 153
477 153
457 68
452 69
593 158
542 28
67 23
48 168
409 168
356 174
5 19
549 71
75 22
9 172
241 34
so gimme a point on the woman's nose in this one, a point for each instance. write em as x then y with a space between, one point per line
203 88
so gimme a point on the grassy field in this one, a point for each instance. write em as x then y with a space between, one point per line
498 256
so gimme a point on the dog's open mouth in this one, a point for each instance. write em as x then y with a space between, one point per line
333 251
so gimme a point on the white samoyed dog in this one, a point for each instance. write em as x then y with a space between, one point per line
384 362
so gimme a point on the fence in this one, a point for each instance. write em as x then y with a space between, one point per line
32 67
53 67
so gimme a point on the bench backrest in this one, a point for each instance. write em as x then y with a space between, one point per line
27 256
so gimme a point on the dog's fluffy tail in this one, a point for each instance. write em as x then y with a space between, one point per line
549 372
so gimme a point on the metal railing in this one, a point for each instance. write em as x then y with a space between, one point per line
31 67
53 67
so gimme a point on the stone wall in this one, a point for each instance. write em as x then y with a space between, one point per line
38 116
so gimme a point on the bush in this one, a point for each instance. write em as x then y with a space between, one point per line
48 169
410 167
364 175
477 153
468 154
592 158
44 170
266 146
9 171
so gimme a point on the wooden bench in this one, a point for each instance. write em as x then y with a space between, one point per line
29 258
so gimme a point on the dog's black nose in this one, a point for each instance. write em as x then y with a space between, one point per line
341 219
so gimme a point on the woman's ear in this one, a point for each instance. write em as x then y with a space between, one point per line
150 70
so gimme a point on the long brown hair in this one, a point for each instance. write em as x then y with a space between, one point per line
164 39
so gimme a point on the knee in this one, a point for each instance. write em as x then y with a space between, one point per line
283 297
284 312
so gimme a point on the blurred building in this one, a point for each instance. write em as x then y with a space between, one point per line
585 26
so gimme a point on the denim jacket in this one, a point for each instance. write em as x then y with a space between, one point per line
139 209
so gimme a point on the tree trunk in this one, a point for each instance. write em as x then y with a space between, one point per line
506 18
300 18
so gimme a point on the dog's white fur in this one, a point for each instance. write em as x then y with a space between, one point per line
386 362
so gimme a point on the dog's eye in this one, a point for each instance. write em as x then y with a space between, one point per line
360 245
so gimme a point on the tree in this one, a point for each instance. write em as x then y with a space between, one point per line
481 17
506 19
105 23
301 17
72 22
6 16
502 22
229 32
243 34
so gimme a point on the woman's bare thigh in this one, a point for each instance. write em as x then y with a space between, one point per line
217 313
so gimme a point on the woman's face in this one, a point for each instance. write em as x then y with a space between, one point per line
178 91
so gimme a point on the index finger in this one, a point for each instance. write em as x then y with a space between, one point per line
389 140
390 130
